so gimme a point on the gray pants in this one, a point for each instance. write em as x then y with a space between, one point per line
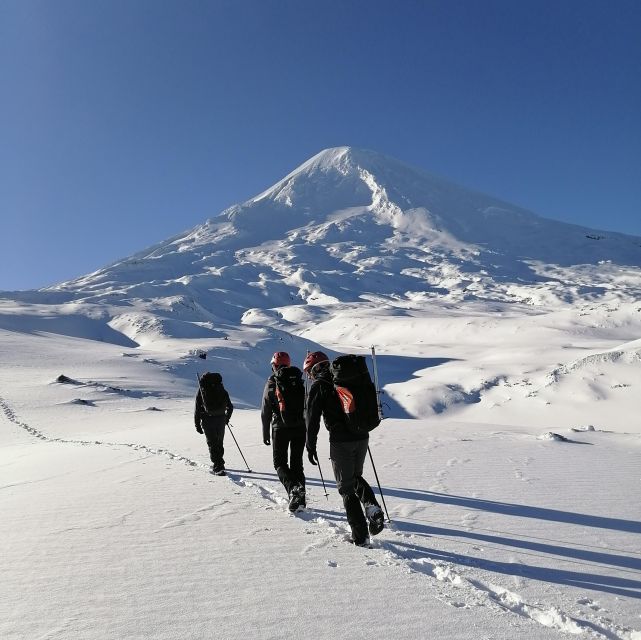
348 459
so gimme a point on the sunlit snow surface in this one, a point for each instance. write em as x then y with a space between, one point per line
510 356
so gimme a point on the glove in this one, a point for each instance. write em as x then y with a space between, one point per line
266 441
199 428
313 456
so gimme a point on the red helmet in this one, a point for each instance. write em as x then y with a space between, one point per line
281 359
312 359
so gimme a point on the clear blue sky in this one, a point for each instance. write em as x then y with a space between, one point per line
123 122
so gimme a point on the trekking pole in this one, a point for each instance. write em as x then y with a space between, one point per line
322 479
239 450
378 483
378 389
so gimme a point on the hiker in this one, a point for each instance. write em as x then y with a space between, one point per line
212 415
283 419
347 449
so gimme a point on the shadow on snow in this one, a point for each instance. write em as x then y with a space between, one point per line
520 510
398 369
617 585
597 582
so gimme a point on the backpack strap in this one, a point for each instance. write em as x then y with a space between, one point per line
271 394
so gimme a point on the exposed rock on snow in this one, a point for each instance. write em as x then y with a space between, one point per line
550 435
63 379
83 402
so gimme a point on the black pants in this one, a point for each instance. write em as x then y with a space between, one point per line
214 428
290 441
348 459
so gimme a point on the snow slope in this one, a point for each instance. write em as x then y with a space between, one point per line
510 359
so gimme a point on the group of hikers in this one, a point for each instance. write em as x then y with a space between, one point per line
342 394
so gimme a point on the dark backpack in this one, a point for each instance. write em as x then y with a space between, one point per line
290 396
213 394
356 392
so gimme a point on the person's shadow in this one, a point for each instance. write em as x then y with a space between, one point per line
628 587
598 580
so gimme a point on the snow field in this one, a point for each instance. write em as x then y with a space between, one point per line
118 542
496 534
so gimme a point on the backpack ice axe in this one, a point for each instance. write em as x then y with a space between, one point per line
202 393
378 388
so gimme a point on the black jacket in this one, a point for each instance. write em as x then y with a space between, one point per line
323 400
201 415
269 413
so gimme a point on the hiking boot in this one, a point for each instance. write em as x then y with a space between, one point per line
375 519
297 498
360 543
355 517
302 496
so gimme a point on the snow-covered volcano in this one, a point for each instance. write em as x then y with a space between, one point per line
350 225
